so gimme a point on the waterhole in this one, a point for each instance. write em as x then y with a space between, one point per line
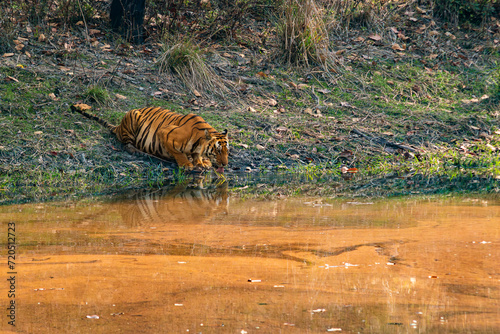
200 261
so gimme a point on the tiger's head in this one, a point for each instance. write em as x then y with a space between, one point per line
217 150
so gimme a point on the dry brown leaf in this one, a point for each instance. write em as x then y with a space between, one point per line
82 106
19 47
94 31
272 102
42 38
121 97
261 74
394 30
375 37
450 35
359 39
196 93
5 55
397 47
53 96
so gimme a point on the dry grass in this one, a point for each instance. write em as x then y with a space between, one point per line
302 33
185 61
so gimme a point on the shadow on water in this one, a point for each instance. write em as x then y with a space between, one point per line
194 257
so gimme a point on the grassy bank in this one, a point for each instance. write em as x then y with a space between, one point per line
405 105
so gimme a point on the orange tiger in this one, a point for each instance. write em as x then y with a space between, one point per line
188 139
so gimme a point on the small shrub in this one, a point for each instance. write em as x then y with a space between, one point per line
461 11
96 94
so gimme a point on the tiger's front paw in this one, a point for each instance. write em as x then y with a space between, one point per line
187 166
203 163
206 163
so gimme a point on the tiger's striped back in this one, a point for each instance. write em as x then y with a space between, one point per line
160 132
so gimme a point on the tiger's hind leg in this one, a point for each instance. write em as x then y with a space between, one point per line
131 149
173 145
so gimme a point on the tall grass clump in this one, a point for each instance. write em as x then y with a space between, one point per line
302 33
185 60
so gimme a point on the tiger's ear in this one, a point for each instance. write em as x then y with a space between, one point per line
208 136
224 132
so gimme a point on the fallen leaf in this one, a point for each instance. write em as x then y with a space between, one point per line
280 129
359 39
196 93
53 96
402 36
260 147
121 97
272 102
394 30
450 35
251 109
82 106
397 47
7 55
261 74
346 154
42 38
375 37
324 91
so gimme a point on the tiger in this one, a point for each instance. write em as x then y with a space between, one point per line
188 139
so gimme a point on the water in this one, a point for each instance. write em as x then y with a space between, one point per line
191 261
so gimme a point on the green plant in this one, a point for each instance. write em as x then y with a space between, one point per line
461 11
96 94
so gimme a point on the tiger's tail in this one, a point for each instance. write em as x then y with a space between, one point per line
82 109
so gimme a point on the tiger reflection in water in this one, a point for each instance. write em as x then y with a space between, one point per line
186 203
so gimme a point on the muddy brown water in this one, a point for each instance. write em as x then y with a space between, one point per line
192 261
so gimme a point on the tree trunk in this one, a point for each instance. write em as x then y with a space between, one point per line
127 18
